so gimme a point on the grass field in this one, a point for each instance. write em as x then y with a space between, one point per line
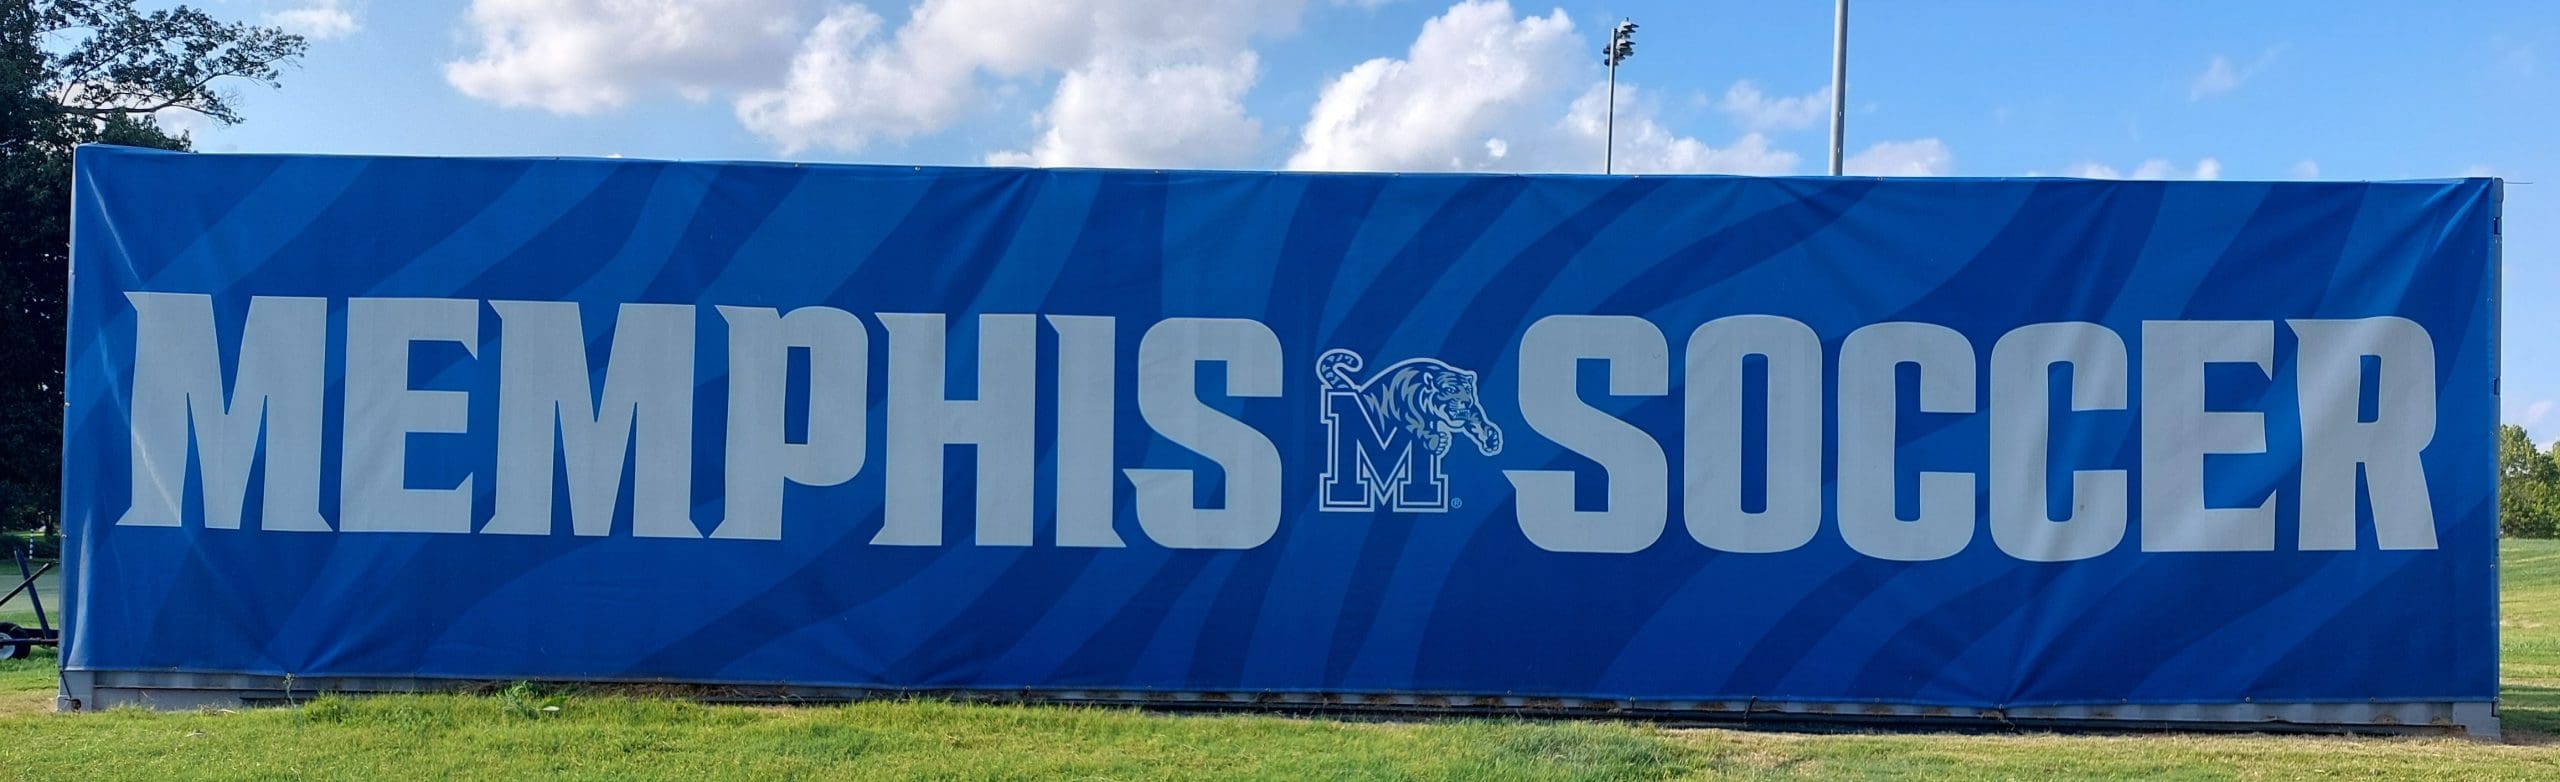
524 733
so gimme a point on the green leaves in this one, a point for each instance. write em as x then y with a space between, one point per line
75 72
133 63
2528 486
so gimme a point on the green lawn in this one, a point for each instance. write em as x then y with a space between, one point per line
515 734
2529 632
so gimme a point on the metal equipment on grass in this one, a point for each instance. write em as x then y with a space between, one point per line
17 642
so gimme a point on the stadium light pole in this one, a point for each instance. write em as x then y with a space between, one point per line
1622 45
1839 79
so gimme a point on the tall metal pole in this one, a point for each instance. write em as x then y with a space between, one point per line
1609 139
1839 79
1622 45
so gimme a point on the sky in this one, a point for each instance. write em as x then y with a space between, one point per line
2334 90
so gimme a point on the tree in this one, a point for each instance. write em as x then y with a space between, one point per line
74 72
2528 486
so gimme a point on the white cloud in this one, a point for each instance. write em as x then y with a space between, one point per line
1483 90
2220 76
183 122
1138 83
1114 113
2533 413
587 56
1757 111
1914 157
2092 171
1645 146
1473 73
849 84
319 21
2155 168
846 87
2307 169
2478 170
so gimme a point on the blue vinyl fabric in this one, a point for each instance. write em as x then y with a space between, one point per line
1423 592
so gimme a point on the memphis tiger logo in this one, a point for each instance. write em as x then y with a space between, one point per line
1385 435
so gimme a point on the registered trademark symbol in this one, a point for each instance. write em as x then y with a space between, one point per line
1456 503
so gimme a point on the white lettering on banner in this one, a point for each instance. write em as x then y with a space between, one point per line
177 378
2022 442
2178 432
383 410
1088 397
2363 392
1170 402
760 458
1791 509
543 391
1639 475
1869 400
922 421
2335 442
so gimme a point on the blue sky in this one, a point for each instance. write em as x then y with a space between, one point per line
2258 90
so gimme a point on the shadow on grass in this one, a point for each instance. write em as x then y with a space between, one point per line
2530 714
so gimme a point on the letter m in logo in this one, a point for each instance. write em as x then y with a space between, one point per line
1385 436
1368 466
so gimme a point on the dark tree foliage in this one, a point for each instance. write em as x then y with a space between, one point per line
76 72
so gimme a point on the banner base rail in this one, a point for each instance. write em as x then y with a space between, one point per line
90 690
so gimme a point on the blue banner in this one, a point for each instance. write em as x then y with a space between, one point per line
1960 442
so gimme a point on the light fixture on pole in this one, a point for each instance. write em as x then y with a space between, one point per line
1622 45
